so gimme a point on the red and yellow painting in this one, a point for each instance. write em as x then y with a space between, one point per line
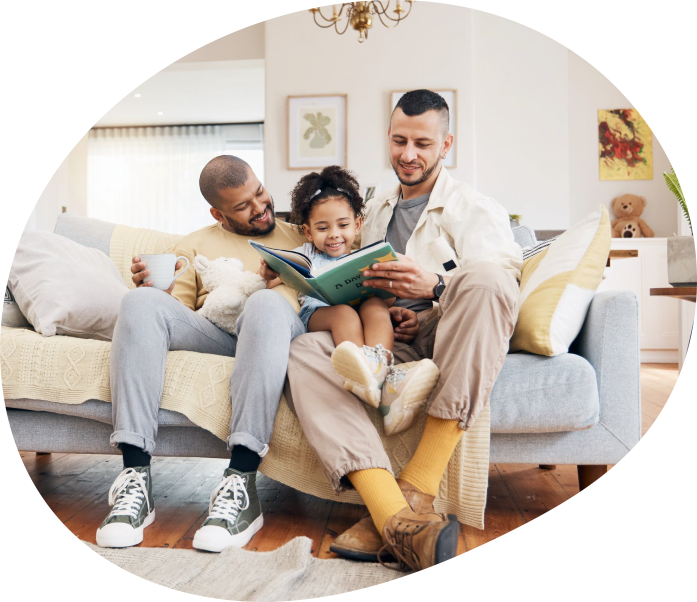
625 145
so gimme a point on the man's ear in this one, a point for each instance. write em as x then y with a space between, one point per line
447 145
217 215
306 231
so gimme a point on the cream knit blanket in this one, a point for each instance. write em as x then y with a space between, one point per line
71 371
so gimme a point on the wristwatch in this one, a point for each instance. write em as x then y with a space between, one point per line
439 288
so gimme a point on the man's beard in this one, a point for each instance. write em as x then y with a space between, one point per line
426 175
249 228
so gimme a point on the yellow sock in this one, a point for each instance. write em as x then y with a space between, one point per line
380 492
432 455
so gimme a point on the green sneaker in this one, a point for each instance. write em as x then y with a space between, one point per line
132 510
234 513
404 394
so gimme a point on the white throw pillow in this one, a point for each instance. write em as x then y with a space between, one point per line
63 287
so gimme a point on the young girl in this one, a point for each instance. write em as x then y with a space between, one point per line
328 208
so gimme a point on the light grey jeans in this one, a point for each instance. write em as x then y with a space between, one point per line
151 323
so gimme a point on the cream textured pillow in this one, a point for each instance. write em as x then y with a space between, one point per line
557 286
63 287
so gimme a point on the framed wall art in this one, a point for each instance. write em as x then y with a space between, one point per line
625 145
370 191
450 96
317 133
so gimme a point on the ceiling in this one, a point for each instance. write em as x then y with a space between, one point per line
195 93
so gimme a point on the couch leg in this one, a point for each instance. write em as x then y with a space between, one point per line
43 453
548 466
588 474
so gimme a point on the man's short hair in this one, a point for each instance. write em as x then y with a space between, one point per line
226 171
417 102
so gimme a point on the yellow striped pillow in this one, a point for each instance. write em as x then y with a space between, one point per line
557 286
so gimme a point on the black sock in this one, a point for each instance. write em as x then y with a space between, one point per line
244 459
133 456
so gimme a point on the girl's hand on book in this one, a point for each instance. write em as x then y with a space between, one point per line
406 324
267 273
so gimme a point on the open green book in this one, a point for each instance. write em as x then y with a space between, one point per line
337 283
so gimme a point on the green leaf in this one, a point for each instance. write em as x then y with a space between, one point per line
674 186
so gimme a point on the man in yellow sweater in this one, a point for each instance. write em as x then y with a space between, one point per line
152 322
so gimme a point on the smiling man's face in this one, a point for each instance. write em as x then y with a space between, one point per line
246 210
417 144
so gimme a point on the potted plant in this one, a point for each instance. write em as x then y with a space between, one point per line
515 219
682 250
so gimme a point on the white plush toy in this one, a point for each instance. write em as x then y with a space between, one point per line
228 286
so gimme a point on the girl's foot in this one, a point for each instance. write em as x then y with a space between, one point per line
364 368
405 392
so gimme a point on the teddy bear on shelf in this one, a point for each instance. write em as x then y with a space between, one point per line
628 224
228 286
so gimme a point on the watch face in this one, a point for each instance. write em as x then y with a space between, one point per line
440 287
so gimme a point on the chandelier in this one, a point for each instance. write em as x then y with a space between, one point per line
360 15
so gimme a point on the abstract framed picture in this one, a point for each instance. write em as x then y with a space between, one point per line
625 145
317 133
450 96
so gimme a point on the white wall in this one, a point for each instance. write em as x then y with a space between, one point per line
67 188
520 116
527 108
589 91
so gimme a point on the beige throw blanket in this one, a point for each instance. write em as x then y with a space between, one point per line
71 371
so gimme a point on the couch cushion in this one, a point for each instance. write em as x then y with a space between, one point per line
537 394
93 409
88 231
524 236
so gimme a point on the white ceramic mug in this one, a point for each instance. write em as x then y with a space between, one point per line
161 267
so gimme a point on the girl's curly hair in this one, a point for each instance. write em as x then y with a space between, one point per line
332 181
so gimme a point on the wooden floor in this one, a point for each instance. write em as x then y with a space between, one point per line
75 487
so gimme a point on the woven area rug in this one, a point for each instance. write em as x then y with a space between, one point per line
288 573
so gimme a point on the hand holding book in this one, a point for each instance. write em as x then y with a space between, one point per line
270 277
405 278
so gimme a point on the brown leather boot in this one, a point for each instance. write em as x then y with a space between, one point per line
419 541
363 542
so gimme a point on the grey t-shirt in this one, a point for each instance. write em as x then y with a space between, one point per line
404 219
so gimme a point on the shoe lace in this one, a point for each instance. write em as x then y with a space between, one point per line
127 494
395 374
228 499
379 354
402 548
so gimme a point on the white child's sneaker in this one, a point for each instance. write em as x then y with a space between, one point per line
364 368
405 392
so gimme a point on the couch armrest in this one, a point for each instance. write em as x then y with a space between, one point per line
609 340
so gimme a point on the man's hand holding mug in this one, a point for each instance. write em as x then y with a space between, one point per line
160 273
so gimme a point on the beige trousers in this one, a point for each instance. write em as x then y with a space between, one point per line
466 335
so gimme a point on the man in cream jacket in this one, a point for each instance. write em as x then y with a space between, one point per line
458 269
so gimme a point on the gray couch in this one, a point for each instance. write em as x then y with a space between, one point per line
581 408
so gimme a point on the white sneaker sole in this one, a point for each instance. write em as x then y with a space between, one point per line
347 361
215 539
401 419
122 535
